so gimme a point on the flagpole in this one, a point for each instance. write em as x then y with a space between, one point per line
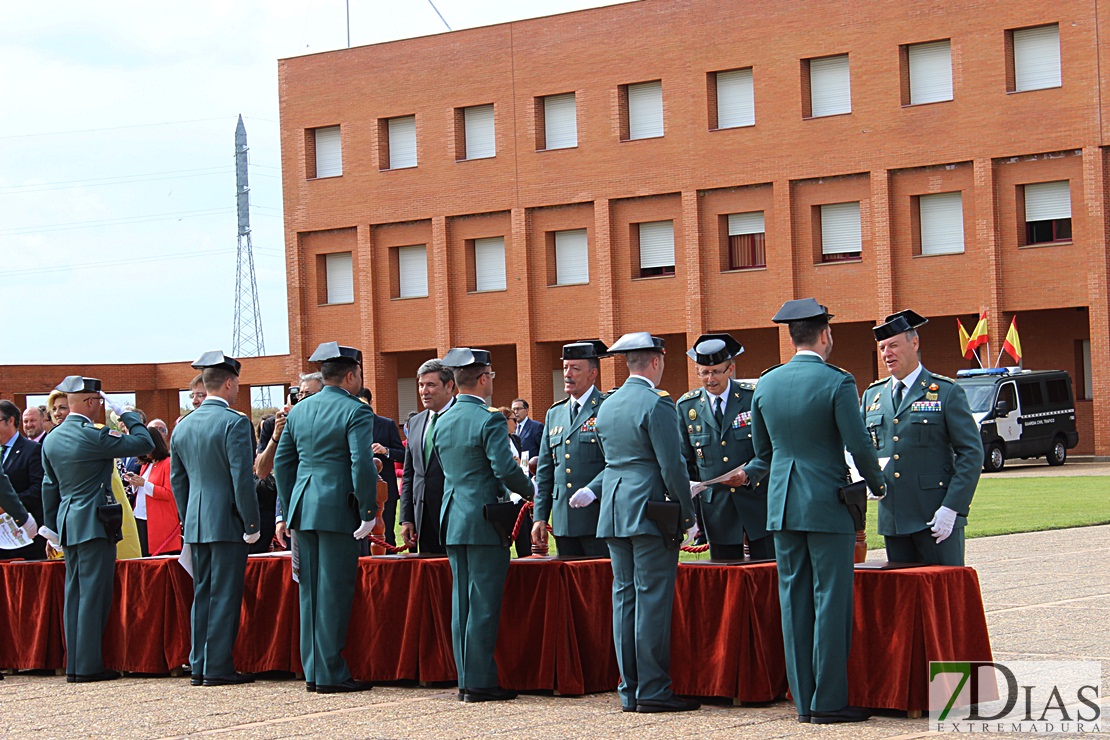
997 363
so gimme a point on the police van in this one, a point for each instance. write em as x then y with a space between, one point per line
1021 413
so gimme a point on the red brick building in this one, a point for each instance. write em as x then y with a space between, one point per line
683 166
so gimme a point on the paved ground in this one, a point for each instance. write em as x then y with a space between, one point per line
1039 468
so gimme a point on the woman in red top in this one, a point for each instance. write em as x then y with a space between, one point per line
153 481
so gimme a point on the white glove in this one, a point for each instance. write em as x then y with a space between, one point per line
31 527
691 535
515 497
872 497
250 539
535 488
581 498
942 523
696 487
112 404
50 535
364 529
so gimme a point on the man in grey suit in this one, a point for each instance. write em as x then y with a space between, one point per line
422 481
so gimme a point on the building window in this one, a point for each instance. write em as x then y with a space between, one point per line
656 247
557 122
489 263
408 400
475 132
941 221
1047 212
841 235
1084 383
732 95
642 110
400 139
412 271
1035 55
327 156
572 263
829 86
339 278
929 72
746 241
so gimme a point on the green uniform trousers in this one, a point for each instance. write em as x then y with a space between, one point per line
90 579
644 572
218 572
585 545
921 547
329 572
816 591
479 573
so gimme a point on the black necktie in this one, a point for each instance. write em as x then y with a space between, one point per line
573 411
719 412
898 390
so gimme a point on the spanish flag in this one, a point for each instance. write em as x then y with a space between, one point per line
963 338
978 337
1012 345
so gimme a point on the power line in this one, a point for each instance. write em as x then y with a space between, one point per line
112 128
115 221
109 263
117 180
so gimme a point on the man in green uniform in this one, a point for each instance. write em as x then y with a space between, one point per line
472 442
79 460
327 482
639 434
13 507
803 415
716 423
212 474
570 457
922 422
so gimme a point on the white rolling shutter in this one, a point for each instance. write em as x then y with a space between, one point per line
560 122
1037 58
412 271
557 392
930 72
402 142
407 398
479 132
489 263
1047 201
830 86
572 263
745 223
840 228
656 244
329 152
942 223
340 277
645 110
735 99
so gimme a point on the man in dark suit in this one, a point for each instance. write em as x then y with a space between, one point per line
22 463
528 429
422 481
389 449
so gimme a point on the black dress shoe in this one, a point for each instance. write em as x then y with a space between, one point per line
70 678
232 680
625 708
462 694
196 679
674 704
847 714
93 677
310 687
803 719
343 688
492 694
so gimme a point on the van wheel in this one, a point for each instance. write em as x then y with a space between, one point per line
1059 452
995 458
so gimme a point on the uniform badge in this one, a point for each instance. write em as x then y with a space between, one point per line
925 406
934 387
875 405
114 433
743 419
690 428
930 396
693 414
701 453
697 428
590 425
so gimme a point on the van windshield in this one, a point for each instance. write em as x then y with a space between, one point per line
980 397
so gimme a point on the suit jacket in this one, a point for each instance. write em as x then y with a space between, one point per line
163 526
421 486
24 469
10 503
472 441
804 413
571 459
79 461
637 428
387 435
935 450
711 451
324 465
212 474
530 433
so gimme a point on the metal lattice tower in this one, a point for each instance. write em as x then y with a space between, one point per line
247 338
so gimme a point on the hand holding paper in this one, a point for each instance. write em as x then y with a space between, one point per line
50 535
31 527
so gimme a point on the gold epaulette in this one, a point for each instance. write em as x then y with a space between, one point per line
662 394
690 394
770 369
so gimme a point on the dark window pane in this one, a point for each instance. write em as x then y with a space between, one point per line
746 251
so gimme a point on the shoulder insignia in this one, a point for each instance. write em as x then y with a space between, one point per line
942 377
237 411
838 369
747 386
493 409
880 381
114 433
662 394
770 369
561 402
690 394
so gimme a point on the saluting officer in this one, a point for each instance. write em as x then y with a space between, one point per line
717 424
212 474
922 422
472 442
570 457
328 482
79 460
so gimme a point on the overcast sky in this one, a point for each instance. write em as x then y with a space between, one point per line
117 182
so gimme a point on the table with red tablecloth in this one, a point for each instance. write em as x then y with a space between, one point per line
556 625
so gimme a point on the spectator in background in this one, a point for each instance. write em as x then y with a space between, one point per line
47 422
162 535
197 392
311 384
268 433
529 430
22 463
58 405
389 449
33 427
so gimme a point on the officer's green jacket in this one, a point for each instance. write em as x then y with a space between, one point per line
711 451
803 414
9 501
325 472
638 430
570 458
935 451
472 442
215 496
79 459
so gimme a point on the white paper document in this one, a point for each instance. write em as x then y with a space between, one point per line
696 488
12 536
186 558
